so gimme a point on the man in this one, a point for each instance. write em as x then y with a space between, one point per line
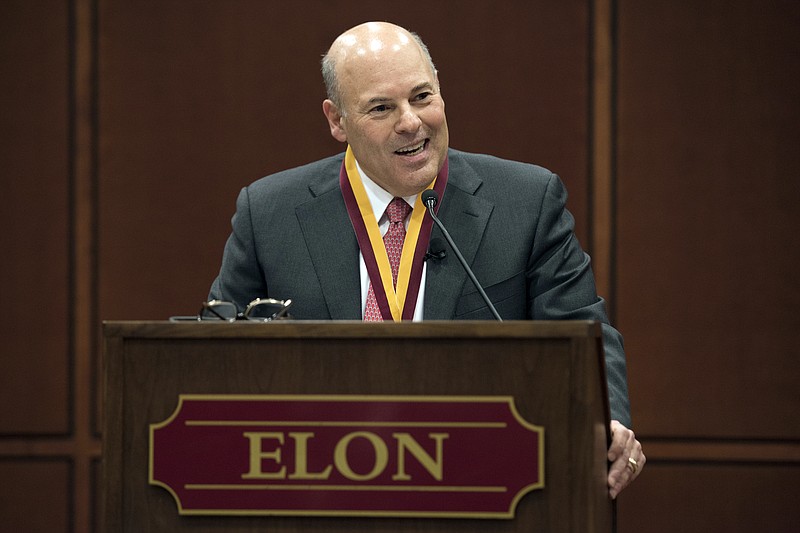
313 233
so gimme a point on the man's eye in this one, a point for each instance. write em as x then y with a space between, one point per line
379 109
422 96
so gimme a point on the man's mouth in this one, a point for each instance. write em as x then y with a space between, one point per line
412 150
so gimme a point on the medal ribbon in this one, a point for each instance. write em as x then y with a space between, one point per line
395 303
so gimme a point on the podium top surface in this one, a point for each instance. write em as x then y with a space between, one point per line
351 329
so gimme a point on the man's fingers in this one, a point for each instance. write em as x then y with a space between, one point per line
621 439
626 456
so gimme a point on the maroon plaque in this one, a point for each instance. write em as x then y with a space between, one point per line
422 456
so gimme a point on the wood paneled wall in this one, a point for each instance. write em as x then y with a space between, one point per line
129 127
707 248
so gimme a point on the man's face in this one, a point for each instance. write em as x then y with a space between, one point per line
393 116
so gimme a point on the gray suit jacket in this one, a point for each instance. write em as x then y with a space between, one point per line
292 238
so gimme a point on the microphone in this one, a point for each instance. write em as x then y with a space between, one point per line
436 250
430 199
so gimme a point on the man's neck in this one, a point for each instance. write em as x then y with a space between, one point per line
378 196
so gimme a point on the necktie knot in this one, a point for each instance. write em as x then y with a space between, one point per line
398 210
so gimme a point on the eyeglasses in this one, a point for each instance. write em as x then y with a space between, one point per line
259 310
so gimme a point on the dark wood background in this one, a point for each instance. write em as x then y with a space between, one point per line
129 127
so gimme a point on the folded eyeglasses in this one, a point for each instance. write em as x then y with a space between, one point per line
259 310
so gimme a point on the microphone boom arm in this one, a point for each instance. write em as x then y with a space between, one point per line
430 201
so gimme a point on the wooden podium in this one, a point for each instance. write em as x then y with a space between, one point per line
554 371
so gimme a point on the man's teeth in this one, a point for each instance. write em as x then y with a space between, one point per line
413 150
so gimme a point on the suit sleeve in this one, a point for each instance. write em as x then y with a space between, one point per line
241 278
562 287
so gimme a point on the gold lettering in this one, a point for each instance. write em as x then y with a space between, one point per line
405 442
301 459
381 456
258 455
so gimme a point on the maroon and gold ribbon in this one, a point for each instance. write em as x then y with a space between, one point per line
396 303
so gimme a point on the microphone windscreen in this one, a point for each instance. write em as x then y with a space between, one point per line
430 198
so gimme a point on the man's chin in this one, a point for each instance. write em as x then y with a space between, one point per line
415 182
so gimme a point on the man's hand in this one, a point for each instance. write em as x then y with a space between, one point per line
626 457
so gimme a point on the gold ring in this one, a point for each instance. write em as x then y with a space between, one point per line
632 465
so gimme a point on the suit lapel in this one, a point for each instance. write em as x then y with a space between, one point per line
465 216
333 248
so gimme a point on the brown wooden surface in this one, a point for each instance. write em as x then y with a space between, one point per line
714 496
35 164
708 245
707 254
49 479
552 370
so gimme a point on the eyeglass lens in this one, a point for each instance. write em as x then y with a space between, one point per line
265 310
218 311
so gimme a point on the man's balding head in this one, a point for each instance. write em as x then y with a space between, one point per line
363 42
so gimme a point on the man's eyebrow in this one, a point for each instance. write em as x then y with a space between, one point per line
383 99
378 100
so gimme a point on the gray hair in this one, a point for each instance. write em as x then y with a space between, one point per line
332 81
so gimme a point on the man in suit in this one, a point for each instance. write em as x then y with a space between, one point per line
313 233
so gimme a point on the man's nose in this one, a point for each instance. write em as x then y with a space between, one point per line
408 120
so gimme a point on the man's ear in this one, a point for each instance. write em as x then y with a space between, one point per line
334 120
